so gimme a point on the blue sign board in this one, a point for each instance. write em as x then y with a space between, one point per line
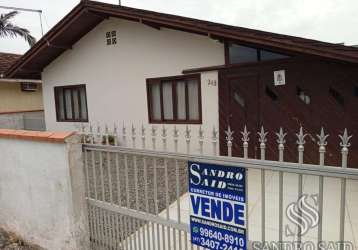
217 206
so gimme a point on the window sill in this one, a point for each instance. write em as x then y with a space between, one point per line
176 122
80 121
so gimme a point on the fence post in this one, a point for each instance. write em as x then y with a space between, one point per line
164 138
214 140
345 144
91 134
154 134
133 136
99 134
322 143
143 136
229 139
300 142
187 137
262 139
124 136
245 139
281 147
115 135
176 136
201 140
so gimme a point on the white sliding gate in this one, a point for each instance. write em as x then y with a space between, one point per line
138 198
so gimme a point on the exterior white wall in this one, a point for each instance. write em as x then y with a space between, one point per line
39 199
115 76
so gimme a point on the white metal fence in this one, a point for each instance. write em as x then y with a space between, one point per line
138 196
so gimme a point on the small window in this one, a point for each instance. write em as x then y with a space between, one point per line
71 103
241 54
268 55
111 37
174 99
239 99
244 54
337 96
303 96
271 94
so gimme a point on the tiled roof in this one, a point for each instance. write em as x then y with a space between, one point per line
87 14
6 60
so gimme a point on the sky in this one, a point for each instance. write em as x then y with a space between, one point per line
333 21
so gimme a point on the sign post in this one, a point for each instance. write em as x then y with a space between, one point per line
217 206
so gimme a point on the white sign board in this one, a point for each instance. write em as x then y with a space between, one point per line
280 78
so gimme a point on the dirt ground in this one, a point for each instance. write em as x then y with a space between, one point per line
9 241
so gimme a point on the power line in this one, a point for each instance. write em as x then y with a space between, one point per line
28 10
20 9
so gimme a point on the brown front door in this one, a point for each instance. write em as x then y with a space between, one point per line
249 98
244 108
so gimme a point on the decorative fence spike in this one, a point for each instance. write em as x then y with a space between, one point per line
143 136
106 135
301 142
115 135
229 138
322 143
214 140
154 135
83 133
133 136
281 143
187 138
124 135
99 134
245 139
201 140
175 136
164 138
262 139
91 134
345 144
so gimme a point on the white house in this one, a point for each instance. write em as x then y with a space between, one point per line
108 64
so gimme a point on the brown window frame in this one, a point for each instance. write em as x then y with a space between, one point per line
174 80
57 103
258 52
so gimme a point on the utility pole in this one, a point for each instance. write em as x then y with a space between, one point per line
28 10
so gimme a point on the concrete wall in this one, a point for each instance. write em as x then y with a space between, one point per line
115 76
42 189
12 99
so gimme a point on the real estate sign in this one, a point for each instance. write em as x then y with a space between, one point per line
217 206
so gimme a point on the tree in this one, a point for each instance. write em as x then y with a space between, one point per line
7 29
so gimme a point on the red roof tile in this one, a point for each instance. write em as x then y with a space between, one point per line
6 60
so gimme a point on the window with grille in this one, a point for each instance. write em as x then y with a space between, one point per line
111 37
174 99
71 103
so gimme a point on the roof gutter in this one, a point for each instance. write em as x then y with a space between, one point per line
19 80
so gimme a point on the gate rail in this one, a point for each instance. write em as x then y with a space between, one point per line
144 176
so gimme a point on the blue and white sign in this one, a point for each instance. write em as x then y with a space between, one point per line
217 206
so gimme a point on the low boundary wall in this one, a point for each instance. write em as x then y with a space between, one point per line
42 188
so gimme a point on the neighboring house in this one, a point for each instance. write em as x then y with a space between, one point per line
105 63
21 104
